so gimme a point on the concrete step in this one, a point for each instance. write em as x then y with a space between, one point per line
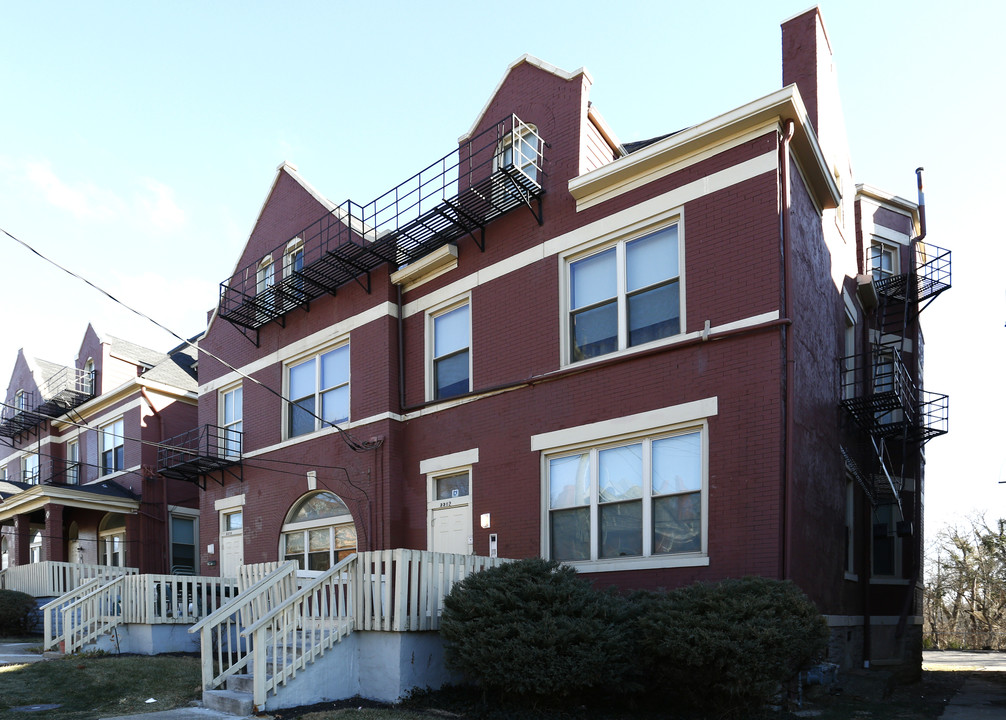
233 702
240 683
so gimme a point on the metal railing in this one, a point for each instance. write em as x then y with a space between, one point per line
484 178
200 450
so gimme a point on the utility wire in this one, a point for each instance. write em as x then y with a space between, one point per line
351 442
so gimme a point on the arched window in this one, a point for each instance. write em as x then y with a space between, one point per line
35 550
265 276
520 150
318 532
88 381
4 557
112 540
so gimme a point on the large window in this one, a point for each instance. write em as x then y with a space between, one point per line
231 414
625 295
318 532
183 545
318 391
886 543
112 448
450 362
639 498
265 276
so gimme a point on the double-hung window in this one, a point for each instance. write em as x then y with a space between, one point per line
625 295
29 469
635 498
293 259
883 261
265 276
112 447
318 391
73 463
450 357
231 414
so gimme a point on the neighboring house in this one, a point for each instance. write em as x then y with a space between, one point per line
78 447
633 358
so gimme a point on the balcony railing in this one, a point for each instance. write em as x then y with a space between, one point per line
65 390
931 277
200 451
484 178
879 393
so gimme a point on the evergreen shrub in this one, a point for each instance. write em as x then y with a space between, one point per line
535 630
725 648
17 613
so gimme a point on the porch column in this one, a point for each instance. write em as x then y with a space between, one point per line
21 552
135 552
53 542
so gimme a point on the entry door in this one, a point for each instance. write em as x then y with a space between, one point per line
452 527
232 543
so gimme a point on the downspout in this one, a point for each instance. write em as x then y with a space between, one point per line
401 353
164 484
787 491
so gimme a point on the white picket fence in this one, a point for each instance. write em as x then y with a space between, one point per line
93 609
390 590
52 579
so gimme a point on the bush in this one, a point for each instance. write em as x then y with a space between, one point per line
534 629
726 647
17 612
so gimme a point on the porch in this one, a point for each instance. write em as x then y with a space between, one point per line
273 637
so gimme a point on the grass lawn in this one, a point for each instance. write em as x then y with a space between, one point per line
93 687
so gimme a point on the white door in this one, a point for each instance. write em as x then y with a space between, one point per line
452 530
232 543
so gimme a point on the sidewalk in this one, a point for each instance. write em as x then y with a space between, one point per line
19 653
979 698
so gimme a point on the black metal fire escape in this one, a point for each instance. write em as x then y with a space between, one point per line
63 391
200 453
488 176
881 388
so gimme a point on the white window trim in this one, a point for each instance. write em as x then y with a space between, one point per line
71 445
633 231
291 248
188 514
288 404
433 504
895 249
221 421
103 431
227 503
688 416
330 522
431 315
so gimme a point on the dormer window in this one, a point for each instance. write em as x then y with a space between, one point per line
89 378
21 401
525 140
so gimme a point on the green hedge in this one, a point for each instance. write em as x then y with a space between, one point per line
17 612
534 631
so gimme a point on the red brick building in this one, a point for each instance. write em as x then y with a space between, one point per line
78 451
665 361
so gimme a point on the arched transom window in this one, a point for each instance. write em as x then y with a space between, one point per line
318 532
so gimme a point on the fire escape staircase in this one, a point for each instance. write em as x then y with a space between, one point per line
64 390
200 453
488 176
879 389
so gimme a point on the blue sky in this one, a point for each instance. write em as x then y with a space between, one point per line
138 141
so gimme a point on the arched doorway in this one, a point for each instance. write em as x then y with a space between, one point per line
318 532
4 557
112 540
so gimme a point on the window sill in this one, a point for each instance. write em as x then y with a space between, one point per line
639 563
889 581
852 576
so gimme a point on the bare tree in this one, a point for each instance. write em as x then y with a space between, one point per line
965 593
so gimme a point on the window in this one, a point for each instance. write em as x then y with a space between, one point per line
318 532
35 549
526 159
3 473
112 540
21 401
112 445
73 463
233 521
183 545
265 276
318 388
29 469
641 498
625 295
849 358
850 527
451 353
883 261
886 543
293 258
89 385
4 556
231 413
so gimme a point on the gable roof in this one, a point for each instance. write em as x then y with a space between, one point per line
131 352
530 60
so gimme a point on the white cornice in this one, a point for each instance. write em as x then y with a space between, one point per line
38 496
674 152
